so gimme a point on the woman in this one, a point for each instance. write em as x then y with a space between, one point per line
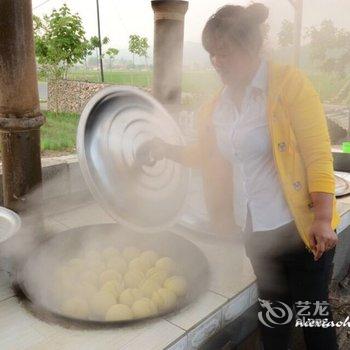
266 160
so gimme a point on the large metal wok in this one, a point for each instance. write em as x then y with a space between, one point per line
36 277
144 196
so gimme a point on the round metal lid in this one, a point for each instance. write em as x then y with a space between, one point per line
10 223
112 137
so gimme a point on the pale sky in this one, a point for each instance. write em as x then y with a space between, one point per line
120 18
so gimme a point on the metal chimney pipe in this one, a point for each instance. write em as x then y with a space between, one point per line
20 117
169 17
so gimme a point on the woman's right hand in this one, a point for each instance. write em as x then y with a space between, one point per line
158 149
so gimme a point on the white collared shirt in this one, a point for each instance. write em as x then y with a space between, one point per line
243 138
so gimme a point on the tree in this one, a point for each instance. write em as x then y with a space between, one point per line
112 53
134 46
143 48
95 44
330 47
60 42
138 46
286 34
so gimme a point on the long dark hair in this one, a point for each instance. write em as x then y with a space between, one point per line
235 26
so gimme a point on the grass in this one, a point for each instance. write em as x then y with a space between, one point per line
137 78
328 85
196 81
59 132
201 81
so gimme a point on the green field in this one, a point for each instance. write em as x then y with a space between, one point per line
328 85
137 78
201 81
59 132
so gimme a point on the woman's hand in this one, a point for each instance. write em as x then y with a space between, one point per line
158 149
322 237
184 155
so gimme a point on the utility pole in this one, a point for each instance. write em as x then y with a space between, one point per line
298 19
99 40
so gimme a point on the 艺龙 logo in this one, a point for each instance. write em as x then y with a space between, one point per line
278 314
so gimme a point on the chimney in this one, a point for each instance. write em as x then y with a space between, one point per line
169 17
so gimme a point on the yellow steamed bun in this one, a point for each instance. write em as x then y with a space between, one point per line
149 286
113 287
166 264
119 312
164 299
130 295
134 278
144 307
177 284
137 264
148 258
101 302
157 274
108 275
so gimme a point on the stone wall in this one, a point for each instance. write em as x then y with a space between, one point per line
70 96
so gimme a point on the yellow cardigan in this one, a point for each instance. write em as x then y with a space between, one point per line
301 151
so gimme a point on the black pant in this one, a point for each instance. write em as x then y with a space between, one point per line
286 272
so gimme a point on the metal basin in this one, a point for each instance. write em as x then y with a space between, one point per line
10 223
35 278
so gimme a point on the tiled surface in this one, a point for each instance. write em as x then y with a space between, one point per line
16 331
231 274
154 335
236 307
343 206
180 344
197 336
90 214
20 330
345 222
5 290
253 296
192 314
